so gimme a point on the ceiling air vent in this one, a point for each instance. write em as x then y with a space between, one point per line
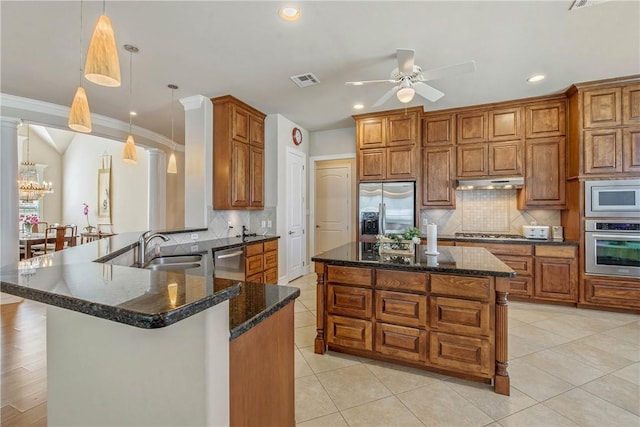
579 4
304 80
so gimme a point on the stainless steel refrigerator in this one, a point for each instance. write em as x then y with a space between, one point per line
386 207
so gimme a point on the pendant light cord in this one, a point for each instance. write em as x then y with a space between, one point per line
172 102
130 88
80 43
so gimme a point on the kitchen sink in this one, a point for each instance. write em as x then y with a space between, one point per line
176 262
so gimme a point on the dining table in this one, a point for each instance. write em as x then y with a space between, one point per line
29 239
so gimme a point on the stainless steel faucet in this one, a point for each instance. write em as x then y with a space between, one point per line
143 241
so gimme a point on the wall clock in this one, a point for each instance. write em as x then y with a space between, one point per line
296 136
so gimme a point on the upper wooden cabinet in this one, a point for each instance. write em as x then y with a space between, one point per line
438 174
438 129
545 119
545 186
631 105
505 124
238 155
388 145
472 127
602 107
492 159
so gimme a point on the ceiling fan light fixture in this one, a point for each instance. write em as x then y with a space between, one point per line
536 78
289 13
405 94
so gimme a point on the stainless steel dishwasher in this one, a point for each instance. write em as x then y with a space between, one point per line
229 264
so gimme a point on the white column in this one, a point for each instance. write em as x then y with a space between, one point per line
198 160
9 253
157 189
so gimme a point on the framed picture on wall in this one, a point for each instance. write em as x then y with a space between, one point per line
104 190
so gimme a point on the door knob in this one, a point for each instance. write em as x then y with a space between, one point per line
317 226
291 232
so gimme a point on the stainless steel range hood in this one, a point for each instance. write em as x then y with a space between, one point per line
507 183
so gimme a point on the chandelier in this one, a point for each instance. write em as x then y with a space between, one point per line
29 186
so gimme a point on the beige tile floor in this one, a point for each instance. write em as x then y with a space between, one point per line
568 367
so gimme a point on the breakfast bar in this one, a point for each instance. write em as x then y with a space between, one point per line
445 313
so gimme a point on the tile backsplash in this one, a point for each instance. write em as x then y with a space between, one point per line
486 211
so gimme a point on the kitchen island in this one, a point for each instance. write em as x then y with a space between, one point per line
445 313
133 346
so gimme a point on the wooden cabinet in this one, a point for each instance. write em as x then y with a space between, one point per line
602 151
556 273
602 107
238 155
631 105
545 180
545 119
348 332
461 353
459 316
505 124
614 292
438 175
472 127
438 129
505 158
401 308
400 342
388 145
472 160
631 149
261 262
349 301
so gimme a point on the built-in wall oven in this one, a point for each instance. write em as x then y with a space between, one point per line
612 198
612 247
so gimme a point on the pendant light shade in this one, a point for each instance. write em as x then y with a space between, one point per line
102 66
172 167
129 155
80 116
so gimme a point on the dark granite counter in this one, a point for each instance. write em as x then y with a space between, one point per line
451 259
71 279
522 241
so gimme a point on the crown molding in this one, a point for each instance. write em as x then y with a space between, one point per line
193 102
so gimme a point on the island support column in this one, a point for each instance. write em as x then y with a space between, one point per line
321 342
502 382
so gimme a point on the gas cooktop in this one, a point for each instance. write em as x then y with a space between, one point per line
499 236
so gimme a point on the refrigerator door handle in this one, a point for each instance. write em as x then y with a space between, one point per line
380 222
384 218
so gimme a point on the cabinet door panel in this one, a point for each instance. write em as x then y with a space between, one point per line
240 174
603 151
256 131
373 164
271 276
240 124
256 189
461 353
459 316
472 160
505 158
602 107
472 127
253 249
505 125
438 130
346 332
521 265
253 265
438 171
402 129
349 301
372 132
401 162
545 119
612 292
401 309
631 150
631 105
521 286
556 278
401 342
270 259
545 173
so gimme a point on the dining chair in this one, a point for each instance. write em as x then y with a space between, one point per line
55 230
37 228
71 231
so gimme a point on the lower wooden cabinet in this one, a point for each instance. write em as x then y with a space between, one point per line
556 273
261 262
461 353
615 292
459 316
348 332
401 308
349 301
401 342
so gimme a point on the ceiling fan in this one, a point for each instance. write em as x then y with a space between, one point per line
409 78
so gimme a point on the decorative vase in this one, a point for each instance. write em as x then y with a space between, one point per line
27 228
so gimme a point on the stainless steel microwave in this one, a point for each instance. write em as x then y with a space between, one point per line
612 198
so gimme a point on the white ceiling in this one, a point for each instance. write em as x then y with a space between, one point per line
245 49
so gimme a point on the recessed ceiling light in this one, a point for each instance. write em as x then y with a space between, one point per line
536 78
290 13
133 113
358 106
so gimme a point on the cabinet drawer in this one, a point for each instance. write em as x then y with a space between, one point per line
402 309
270 259
354 333
401 280
253 249
556 251
253 265
271 245
521 286
255 278
460 353
613 292
523 266
468 287
350 275
401 342
460 316
349 301
501 248
271 276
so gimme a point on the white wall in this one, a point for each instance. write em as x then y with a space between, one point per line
331 142
129 184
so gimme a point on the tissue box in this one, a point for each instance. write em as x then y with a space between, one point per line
535 231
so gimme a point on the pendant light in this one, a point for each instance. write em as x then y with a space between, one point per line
103 66
172 167
129 155
80 116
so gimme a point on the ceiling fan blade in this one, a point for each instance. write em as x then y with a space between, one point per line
368 81
406 59
426 91
451 70
384 98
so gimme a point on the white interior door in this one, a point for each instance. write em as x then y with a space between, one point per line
332 205
296 238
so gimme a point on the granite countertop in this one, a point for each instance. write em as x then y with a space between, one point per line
522 241
451 259
72 279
